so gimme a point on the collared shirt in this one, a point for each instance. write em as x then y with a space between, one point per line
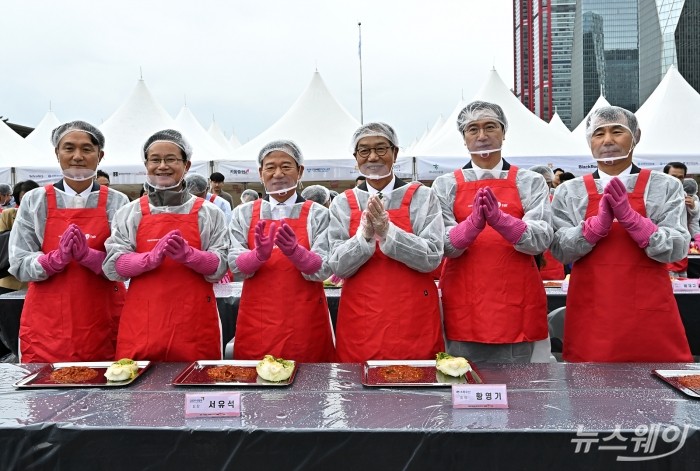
386 190
76 200
282 209
605 178
492 172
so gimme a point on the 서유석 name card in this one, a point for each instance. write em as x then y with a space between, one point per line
479 396
213 404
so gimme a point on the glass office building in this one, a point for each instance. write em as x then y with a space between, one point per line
570 52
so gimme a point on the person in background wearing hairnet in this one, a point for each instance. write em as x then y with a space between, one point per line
57 241
197 185
385 239
550 267
497 218
619 226
173 246
248 195
318 194
679 170
6 200
279 247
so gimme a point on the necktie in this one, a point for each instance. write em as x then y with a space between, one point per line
380 195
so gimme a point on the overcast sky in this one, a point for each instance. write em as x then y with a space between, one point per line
246 62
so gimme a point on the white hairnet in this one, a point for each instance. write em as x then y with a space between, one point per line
610 116
477 110
317 193
374 129
249 195
5 189
690 186
196 184
58 133
545 171
288 147
169 135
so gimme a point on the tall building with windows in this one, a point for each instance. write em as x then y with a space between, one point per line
567 53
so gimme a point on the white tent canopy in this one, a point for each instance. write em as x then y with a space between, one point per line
127 130
218 135
204 147
40 138
557 125
321 127
669 121
529 140
579 132
17 152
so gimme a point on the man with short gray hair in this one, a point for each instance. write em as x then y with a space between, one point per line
6 200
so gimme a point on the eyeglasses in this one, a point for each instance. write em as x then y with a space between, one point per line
169 161
365 152
489 128
285 168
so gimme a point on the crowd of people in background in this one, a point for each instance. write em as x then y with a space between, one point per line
485 235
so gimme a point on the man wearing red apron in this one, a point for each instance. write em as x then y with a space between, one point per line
497 218
170 312
619 226
386 238
71 310
279 247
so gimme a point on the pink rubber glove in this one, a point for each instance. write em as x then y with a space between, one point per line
133 264
466 232
697 239
638 227
511 228
336 280
56 260
286 239
249 262
201 261
89 258
597 227
306 261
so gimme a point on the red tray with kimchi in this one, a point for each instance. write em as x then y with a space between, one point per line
412 373
232 373
77 374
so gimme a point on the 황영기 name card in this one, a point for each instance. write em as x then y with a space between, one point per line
479 396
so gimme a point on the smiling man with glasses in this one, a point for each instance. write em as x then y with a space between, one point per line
497 218
385 238
173 246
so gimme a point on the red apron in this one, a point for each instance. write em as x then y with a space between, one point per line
73 315
388 310
212 198
492 293
681 266
281 313
170 312
553 269
620 305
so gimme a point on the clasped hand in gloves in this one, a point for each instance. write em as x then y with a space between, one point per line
464 234
511 228
377 216
286 239
598 226
640 228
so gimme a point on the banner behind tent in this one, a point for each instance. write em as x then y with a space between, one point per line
6 175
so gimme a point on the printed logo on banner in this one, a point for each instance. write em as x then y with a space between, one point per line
236 171
640 447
